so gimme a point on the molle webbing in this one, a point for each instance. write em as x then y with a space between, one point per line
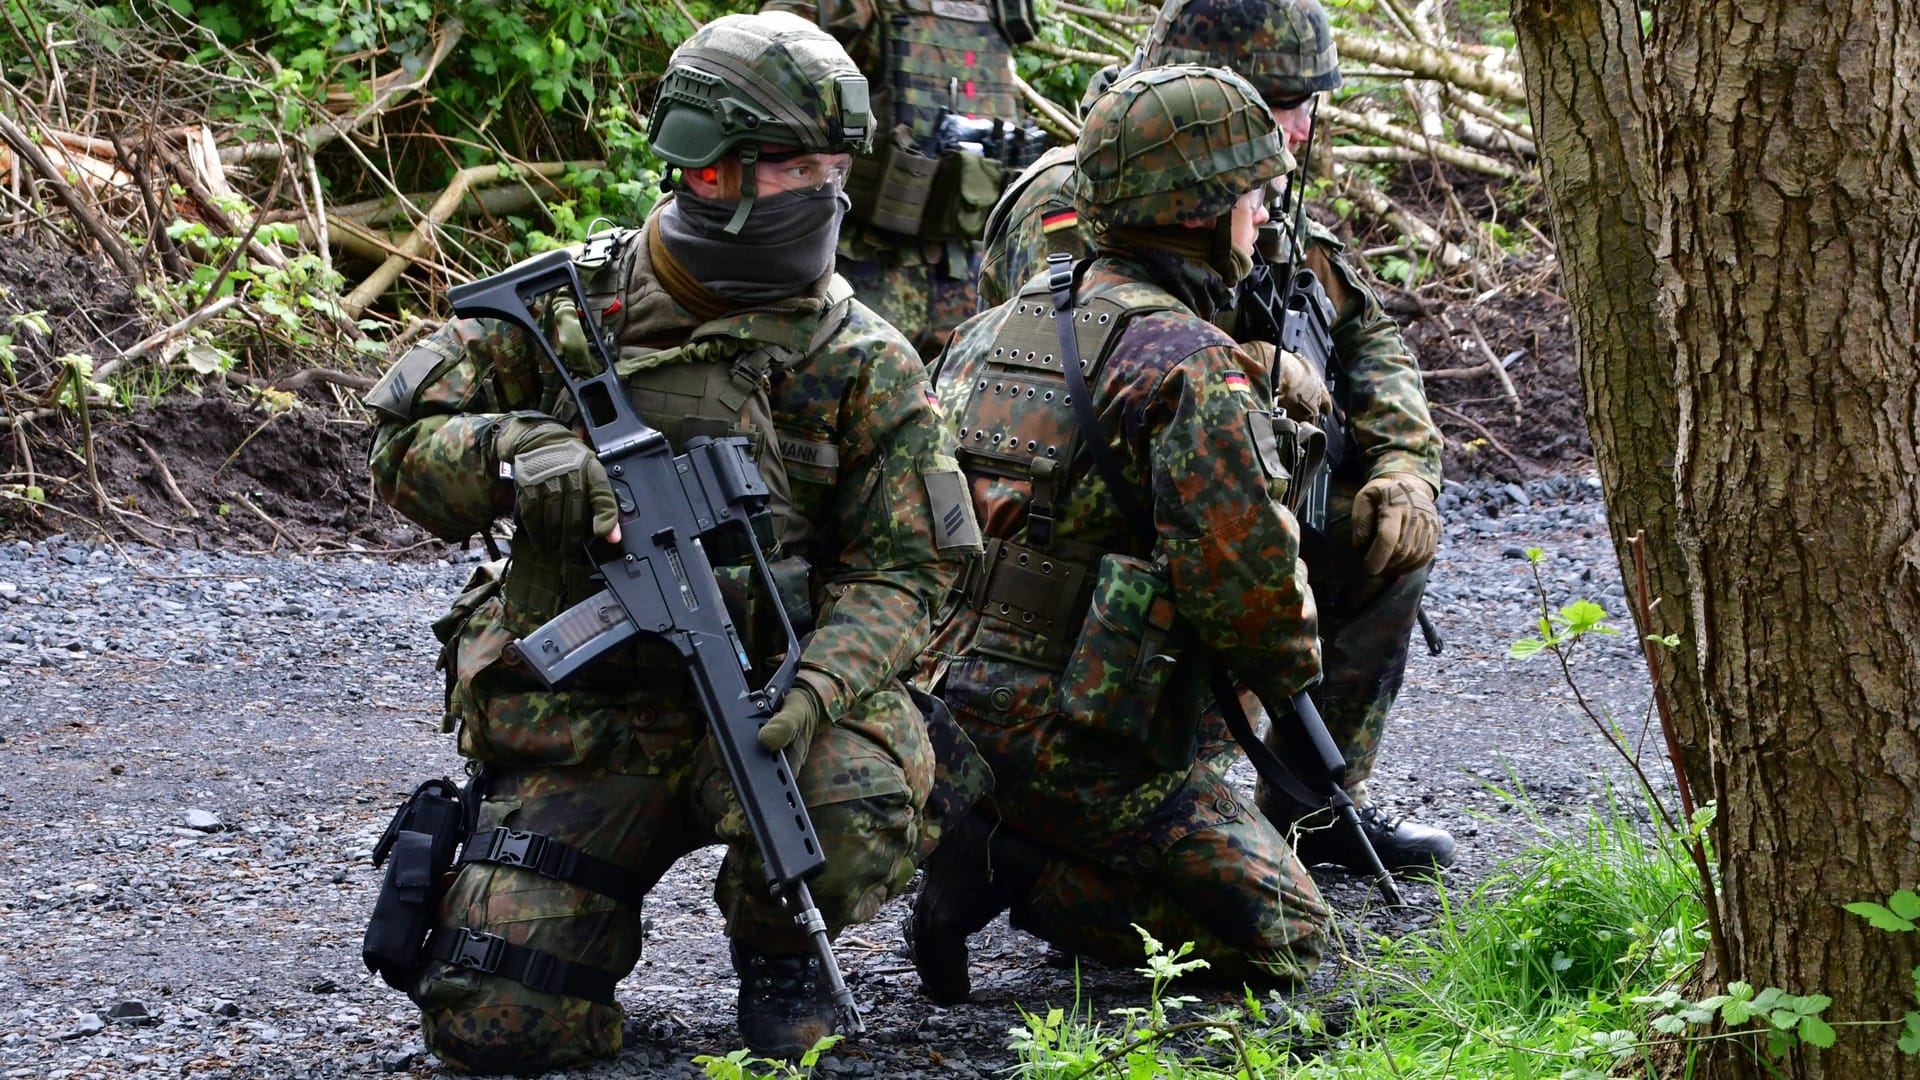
1042 593
492 954
948 52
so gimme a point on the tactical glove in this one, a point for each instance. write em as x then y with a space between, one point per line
793 727
1395 521
1297 386
560 488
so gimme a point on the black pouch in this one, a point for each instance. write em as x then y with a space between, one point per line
418 850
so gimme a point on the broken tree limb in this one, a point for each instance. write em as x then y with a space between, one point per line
1419 233
166 475
487 202
330 129
159 340
109 241
1399 136
1078 56
1376 155
416 244
1429 62
1067 125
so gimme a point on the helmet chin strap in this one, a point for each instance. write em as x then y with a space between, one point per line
749 157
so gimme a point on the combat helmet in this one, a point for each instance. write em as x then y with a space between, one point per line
1172 145
1283 47
744 80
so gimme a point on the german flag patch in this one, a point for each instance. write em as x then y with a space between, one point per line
1061 219
1237 382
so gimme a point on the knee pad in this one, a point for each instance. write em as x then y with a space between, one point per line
487 1024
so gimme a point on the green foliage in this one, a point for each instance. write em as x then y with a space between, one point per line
743 1065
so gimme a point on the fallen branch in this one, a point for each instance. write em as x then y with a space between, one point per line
166 476
1048 111
155 341
241 498
1078 56
1419 233
304 377
330 129
1526 471
109 240
1399 136
1429 62
1499 369
411 249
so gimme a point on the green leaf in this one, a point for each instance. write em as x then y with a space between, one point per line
1880 917
1669 1025
1736 1012
1816 1032
1534 555
1525 647
1910 1039
1905 903
1583 615
1812 1004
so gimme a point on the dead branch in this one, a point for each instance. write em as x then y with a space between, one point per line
415 244
330 129
1429 62
1062 123
1419 233
1480 429
304 377
162 338
241 498
1399 136
1078 56
109 241
166 476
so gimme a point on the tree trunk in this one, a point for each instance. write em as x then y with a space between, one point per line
1786 147
1587 97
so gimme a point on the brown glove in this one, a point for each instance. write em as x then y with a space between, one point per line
1395 521
1297 387
794 725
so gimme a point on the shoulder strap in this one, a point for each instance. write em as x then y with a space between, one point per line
1061 275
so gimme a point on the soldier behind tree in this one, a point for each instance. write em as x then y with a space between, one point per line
728 319
1078 660
910 246
1370 562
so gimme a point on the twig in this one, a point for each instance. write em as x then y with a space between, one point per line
688 15
1492 440
166 476
23 147
253 227
1474 372
241 498
98 528
329 129
304 376
1429 62
1493 363
1078 56
1111 18
271 417
1696 847
156 340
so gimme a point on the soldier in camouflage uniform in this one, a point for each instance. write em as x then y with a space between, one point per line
1370 563
1079 656
728 319
910 246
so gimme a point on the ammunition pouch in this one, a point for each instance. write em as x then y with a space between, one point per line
965 187
1124 656
418 852
901 190
1032 593
891 188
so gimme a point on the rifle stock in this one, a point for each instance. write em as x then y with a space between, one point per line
659 581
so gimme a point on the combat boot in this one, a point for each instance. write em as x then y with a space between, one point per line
785 1006
1401 844
980 869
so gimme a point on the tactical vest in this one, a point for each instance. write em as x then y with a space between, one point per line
714 385
939 56
1018 437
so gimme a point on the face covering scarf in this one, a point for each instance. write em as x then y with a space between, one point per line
785 245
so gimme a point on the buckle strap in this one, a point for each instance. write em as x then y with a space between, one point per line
551 858
492 954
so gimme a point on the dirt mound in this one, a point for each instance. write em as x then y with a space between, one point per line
291 480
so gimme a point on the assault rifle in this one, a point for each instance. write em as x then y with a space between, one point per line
1014 147
659 581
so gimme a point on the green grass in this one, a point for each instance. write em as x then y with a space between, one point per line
1532 975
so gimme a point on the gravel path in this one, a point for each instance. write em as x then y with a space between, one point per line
198 751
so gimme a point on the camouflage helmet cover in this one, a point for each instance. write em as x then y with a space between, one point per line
1283 47
767 78
1171 145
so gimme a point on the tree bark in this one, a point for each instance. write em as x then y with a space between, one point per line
1786 147
1587 96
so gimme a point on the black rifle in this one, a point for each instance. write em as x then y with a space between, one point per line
660 582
